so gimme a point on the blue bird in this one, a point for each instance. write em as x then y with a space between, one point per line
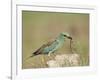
52 46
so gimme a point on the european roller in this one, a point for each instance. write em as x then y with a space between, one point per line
52 46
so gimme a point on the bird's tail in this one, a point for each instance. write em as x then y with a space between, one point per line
33 54
30 56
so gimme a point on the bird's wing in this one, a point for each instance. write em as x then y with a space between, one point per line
50 43
40 50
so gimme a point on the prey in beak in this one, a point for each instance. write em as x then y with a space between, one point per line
70 43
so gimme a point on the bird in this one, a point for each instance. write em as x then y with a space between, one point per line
52 46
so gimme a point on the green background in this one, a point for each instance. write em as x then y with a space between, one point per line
41 27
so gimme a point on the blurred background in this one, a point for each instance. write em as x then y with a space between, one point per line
41 27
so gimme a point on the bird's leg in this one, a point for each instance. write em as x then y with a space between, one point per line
49 53
71 46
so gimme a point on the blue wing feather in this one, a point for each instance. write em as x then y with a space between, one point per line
51 47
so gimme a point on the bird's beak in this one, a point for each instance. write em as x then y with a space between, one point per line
69 37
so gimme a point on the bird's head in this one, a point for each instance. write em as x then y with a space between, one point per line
66 35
